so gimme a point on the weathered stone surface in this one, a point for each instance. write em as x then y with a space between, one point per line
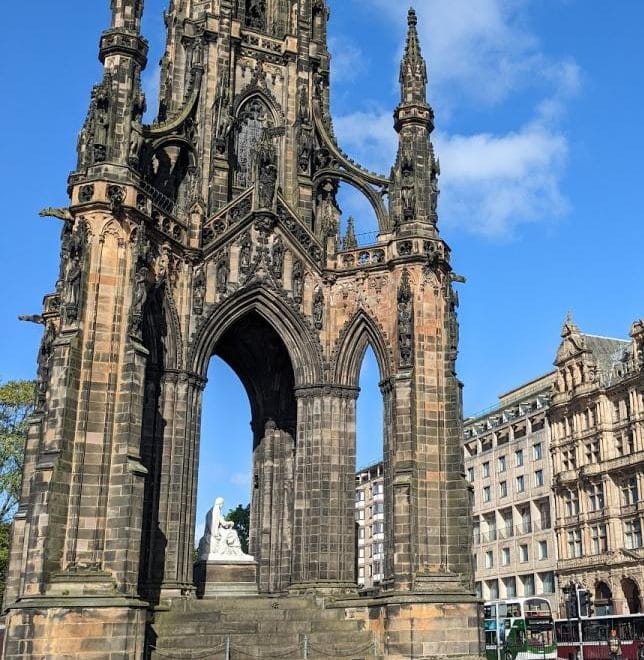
186 246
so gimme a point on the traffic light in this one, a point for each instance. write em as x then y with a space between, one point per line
585 603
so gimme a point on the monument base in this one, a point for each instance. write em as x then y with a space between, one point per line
225 577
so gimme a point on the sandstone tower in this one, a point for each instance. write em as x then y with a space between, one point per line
215 231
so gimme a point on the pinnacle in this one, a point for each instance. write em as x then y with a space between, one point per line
412 19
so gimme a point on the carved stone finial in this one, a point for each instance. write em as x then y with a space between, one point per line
349 242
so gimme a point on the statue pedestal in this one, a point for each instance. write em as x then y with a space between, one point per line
225 577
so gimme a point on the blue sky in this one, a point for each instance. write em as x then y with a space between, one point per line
539 132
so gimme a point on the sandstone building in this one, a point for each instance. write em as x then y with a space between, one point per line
215 231
556 474
507 462
597 444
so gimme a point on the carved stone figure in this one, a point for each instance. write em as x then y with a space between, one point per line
223 271
136 140
405 321
266 173
245 253
277 258
100 124
140 287
60 213
256 14
199 285
73 275
408 194
220 541
116 198
318 308
297 281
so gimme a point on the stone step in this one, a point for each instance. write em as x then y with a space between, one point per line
244 603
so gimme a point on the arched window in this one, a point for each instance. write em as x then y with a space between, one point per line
253 118
632 596
256 14
603 599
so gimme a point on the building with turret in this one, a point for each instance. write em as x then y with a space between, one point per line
214 231
597 444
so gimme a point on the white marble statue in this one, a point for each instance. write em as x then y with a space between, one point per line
220 541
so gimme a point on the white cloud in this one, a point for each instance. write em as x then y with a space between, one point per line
483 49
493 183
348 61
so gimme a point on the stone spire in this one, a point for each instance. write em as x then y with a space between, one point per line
112 132
413 70
414 186
126 14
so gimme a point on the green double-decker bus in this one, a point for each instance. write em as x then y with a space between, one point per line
519 629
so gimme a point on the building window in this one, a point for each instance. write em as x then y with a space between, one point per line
598 538
360 496
479 592
520 484
505 556
629 491
501 463
503 489
489 559
493 588
574 544
538 478
544 514
542 549
569 459
510 587
360 514
506 515
378 528
596 497
378 508
537 451
528 585
486 469
633 534
470 474
361 572
526 520
486 493
361 553
518 457
360 532
592 452
523 553
571 499
378 488
547 582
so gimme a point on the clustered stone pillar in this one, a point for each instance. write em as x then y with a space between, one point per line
324 520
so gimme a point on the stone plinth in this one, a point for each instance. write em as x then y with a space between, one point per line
225 577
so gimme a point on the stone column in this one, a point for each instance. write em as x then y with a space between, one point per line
324 518
272 508
178 468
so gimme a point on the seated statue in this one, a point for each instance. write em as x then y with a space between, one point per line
220 540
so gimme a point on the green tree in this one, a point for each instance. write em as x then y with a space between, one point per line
16 404
241 518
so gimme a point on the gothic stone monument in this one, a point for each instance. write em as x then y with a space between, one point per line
214 231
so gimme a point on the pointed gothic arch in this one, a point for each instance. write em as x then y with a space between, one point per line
373 196
293 329
360 332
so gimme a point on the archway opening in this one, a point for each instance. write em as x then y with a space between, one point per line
251 357
370 494
603 599
355 205
632 596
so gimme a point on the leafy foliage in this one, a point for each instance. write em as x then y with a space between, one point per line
16 404
241 518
